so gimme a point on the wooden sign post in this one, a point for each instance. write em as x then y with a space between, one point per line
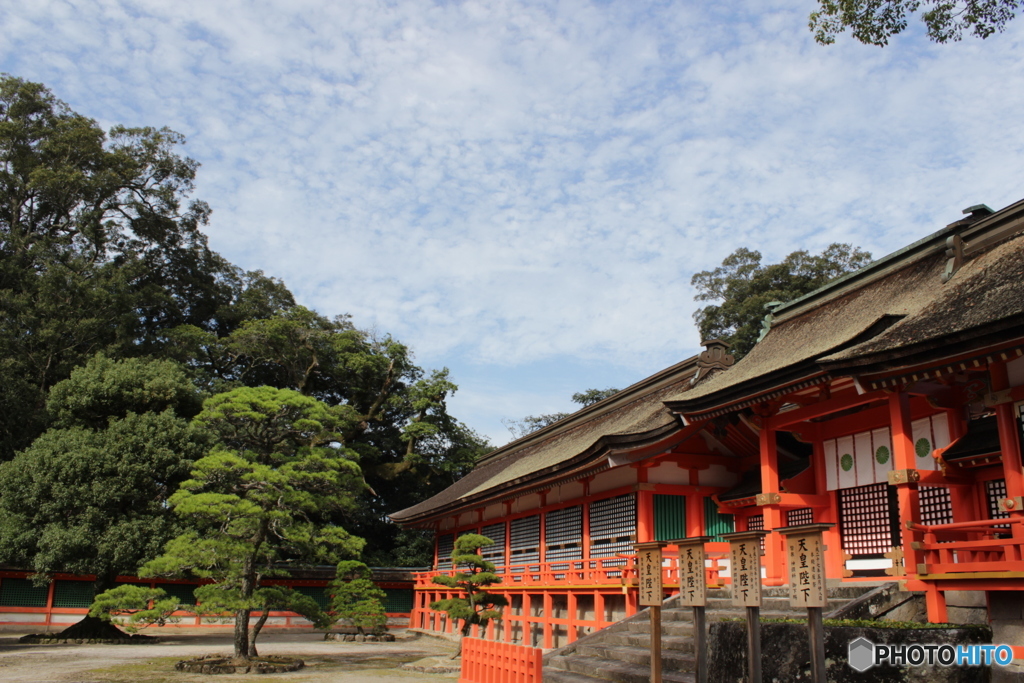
805 554
693 592
745 573
648 563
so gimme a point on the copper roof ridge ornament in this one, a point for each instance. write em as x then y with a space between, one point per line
715 356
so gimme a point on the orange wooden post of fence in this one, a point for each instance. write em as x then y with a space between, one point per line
485 661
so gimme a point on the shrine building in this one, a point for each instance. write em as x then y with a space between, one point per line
887 403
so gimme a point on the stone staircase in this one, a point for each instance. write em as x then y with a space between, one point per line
621 652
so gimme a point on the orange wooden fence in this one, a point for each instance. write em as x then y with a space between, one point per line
484 661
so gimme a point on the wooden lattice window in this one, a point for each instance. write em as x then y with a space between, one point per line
22 593
524 540
756 523
445 548
72 594
495 554
995 489
936 505
799 517
563 534
612 526
868 520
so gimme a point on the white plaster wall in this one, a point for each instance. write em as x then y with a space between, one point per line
668 473
566 492
492 511
526 503
613 479
717 475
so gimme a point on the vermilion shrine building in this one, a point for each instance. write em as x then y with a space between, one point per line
887 403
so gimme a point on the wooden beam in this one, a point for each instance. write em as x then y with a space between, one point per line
832 405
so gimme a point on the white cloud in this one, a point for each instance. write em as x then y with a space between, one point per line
503 184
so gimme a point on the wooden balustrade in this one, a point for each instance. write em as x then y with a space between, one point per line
486 661
990 545
607 571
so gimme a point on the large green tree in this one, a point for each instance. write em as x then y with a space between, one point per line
270 494
91 495
744 287
874 22
409 446
101 249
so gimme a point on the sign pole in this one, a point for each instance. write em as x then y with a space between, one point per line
805 554
652 594
745 574
693 591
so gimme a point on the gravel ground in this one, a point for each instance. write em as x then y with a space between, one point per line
334 661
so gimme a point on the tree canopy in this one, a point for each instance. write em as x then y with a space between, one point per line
91 494
102 251
472 577
744 287
874 22
266 496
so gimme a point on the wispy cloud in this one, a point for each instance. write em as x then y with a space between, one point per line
507 184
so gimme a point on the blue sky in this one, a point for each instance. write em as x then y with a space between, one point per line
521 191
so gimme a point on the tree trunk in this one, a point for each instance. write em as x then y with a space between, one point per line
242 634
256 631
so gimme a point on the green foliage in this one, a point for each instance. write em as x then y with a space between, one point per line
592 396
92 496
265 496
356 599
221 599
744 287
479 606
874 22
532 423
105 389
101 251
133 607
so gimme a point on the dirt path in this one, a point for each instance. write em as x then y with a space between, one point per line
333 661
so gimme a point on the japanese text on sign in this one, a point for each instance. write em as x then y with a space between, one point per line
745 569
806 570
649 573
692 584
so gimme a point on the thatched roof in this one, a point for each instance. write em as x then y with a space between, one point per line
630 419
896 306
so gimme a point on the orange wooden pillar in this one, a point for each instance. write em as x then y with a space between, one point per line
834 563
775 559
694 514
547 625
527 625
904 477
1009 441
571 607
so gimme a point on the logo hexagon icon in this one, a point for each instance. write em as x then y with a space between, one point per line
861 654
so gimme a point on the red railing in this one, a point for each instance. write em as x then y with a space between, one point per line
485 661
609 571
983 546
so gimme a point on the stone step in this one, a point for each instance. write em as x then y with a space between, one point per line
608 670
668 628
671 660
675 643
552 675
